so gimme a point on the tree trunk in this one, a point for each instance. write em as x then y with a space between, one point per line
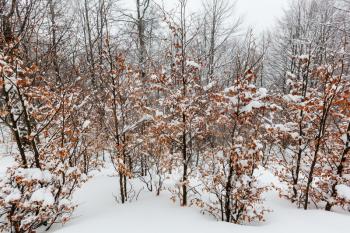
228 189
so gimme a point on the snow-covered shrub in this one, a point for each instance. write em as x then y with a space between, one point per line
37 189
311 158
313 143
229 171
178 113
31 198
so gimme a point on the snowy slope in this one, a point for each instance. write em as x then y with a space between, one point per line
99 212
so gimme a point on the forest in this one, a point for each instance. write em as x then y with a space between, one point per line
183 104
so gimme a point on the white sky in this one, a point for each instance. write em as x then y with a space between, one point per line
261 14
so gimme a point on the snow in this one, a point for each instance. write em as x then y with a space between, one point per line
266 179
252 105
291 75
193 64
282 127
145 118
262 92
34 174
209 86
343 191
304 56
159 113
99 212
15 195
43 195
293 98
86 124
5 163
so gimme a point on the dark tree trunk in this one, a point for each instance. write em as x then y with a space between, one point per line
228 189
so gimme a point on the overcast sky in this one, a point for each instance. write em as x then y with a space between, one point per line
261 14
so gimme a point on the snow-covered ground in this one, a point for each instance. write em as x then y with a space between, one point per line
99 212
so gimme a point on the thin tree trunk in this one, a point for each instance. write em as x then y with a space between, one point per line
185 165
228 189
